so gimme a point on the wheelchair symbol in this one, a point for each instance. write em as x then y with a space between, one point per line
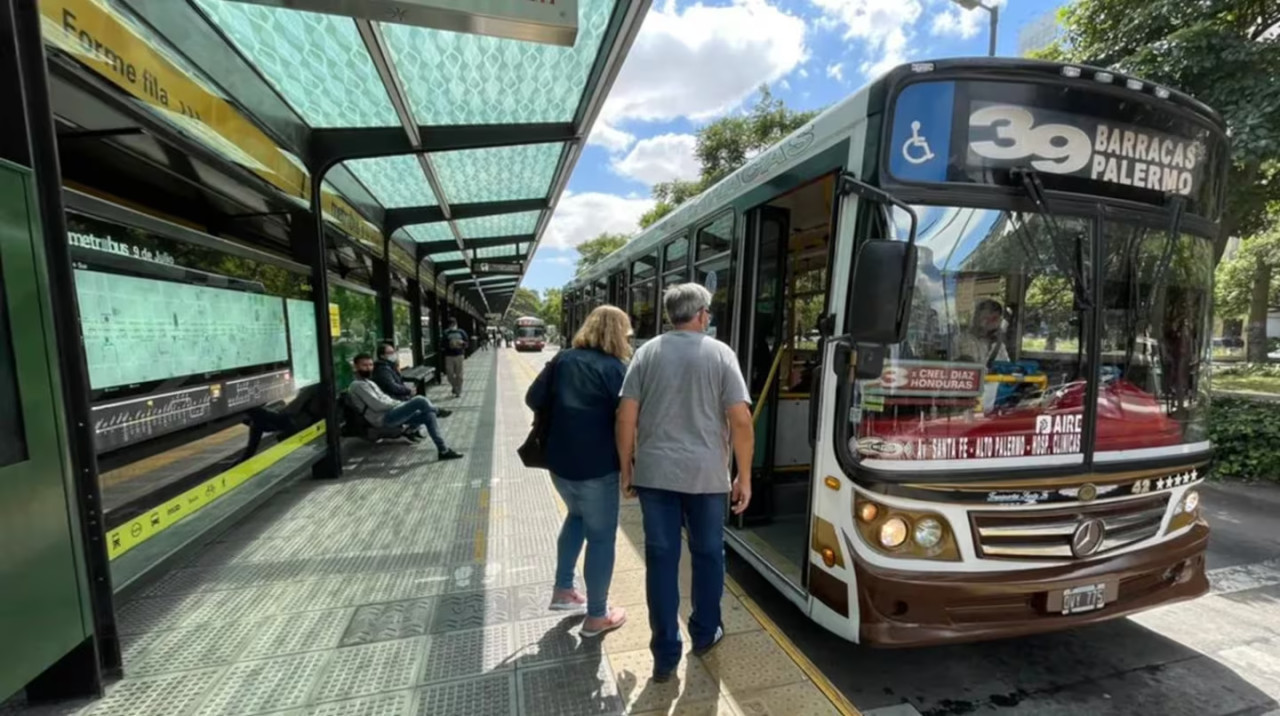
922 152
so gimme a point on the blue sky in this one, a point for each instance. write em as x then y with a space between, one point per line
696 61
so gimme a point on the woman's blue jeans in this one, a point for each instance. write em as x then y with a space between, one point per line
592 517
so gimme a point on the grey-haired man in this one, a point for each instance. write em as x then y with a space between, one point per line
684 402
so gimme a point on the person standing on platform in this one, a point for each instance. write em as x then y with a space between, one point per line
684 402
455 352
580 390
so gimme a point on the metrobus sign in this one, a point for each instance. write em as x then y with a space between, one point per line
553 22
485 267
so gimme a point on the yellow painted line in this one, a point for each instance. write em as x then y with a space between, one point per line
480 548
838 701
144 527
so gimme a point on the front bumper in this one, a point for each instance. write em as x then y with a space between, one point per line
901 608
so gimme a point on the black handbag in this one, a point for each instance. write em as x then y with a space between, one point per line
533 453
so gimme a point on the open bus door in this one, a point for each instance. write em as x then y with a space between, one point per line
785 268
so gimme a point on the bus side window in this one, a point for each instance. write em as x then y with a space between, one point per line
714 270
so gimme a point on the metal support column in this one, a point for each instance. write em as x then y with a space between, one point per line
382 284
306 234
415 319
437 330
29 139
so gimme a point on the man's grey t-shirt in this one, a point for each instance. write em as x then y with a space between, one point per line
684 382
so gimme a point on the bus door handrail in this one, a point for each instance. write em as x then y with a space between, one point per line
768 383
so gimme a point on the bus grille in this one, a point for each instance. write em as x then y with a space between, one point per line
1046 534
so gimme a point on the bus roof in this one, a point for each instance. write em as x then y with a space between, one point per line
528 321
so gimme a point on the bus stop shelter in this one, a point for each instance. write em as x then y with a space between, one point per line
418 146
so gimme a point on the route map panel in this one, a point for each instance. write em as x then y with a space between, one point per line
125 422
138 330
303 342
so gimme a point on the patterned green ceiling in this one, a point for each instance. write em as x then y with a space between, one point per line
456 272
394 181
446 256
317 62
438 231
498 173
524 222
494 252
455 78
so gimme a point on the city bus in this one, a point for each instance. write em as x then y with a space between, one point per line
972 306
531 334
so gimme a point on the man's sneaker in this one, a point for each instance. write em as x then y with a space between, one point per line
413 436
450 454
662 677
703 651
442 413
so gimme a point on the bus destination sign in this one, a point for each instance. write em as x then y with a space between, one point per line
951 131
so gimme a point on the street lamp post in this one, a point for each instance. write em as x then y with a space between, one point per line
993 10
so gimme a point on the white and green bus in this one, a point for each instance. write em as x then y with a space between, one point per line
972 304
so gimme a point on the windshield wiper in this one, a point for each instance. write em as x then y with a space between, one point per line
1142 320
1031 183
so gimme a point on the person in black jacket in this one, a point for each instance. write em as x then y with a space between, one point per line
386 374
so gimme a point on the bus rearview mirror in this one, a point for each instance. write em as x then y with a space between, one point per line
883 279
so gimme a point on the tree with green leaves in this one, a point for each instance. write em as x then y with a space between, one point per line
552 301
1248 286
594 251
725 145
1225 53
524 303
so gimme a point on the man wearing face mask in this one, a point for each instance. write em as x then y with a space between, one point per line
381 409
386 373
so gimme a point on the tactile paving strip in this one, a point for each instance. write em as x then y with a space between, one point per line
370 669
393 704
551 638
487 696
574 688
295 633
471 652
191 648
259 686
471 610
394 620
168 694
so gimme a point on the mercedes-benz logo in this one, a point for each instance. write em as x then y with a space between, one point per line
1087 538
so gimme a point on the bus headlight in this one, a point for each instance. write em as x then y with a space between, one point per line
928 533
908 534
1191 501
893 532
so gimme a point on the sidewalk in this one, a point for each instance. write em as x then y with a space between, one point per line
417 587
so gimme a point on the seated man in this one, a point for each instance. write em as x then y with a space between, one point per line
382 410
305 409
386 373
983 342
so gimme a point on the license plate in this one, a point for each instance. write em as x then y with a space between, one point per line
1084 599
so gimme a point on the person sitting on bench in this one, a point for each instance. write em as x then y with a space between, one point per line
384 411
386 373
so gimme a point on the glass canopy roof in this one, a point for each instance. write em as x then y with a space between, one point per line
496 119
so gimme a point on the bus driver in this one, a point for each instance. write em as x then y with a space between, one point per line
983 341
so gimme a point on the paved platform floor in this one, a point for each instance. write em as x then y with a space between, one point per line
417 587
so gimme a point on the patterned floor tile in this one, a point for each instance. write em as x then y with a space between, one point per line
393 620
571 688
466 653
191 648
634 671
751 661
254 687
552 638
393 704
294 633
171 693
487 696
470 610
370 669
802 699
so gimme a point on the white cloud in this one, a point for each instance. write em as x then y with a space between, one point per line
701 62
956 21
836 71
883 26
611 138
804 74
661 158
582 217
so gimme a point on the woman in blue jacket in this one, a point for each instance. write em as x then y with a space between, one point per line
583 459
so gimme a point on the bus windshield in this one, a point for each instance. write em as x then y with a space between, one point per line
530 331
995 366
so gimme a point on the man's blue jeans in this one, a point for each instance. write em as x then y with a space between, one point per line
703 516
593 517
414 412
